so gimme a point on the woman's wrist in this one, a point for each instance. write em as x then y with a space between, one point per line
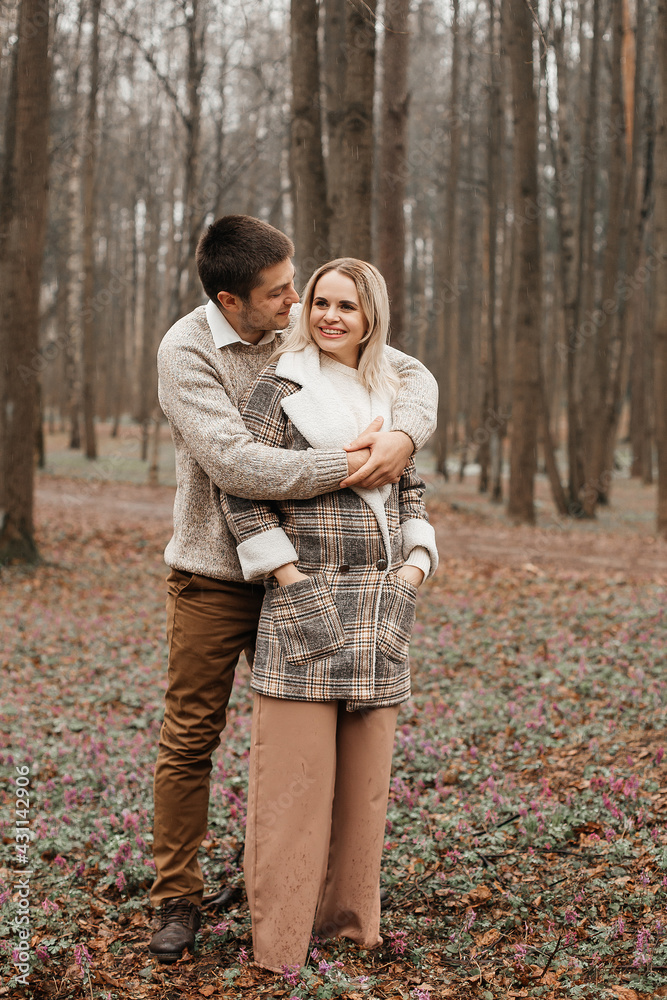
412 574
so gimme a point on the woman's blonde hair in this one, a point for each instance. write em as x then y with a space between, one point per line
375 370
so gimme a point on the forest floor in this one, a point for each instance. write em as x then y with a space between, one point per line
526 850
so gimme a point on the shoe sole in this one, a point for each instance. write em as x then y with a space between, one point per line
167 959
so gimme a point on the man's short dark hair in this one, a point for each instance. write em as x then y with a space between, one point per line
234 251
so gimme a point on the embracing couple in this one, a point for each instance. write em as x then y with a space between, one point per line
300 537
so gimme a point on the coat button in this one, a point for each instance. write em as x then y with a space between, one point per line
344 568
381 564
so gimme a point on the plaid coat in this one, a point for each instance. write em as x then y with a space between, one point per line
343 633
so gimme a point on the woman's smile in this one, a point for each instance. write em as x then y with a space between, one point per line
330 331
337 322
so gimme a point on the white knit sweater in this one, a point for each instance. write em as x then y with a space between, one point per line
359 402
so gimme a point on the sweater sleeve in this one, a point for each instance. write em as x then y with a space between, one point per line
415 408
262 545
421 558
415 526
198 408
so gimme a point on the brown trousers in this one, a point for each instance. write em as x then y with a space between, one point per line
209 624
317 805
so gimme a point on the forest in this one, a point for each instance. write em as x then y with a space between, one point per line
504 164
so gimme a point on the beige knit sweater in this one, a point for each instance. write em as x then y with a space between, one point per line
200 387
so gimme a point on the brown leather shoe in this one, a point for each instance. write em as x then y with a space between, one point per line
179 922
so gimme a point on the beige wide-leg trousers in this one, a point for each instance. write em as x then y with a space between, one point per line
317 804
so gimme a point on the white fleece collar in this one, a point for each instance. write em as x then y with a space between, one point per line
319 413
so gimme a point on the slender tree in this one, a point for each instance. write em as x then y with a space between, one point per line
491 421
357 163
599 424
393 161
660 243
309 192
334 71
445 291
526 391
195 20
21 268
89 218
585 282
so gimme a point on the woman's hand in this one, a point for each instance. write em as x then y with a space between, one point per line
288 574
412 574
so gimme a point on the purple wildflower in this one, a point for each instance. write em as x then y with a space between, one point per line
398 941
290 973
82 958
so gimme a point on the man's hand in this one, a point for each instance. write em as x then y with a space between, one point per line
412 574
288 574
356 460
390 453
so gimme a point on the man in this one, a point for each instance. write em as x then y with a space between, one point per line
206 362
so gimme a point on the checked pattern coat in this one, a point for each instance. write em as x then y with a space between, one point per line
343 633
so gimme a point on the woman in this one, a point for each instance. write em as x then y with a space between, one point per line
331 664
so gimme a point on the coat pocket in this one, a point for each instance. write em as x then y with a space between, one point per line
397 618
306 620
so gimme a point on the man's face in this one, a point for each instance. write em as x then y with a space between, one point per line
270 303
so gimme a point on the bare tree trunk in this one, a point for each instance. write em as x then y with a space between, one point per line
585 275
644 317
468 321
154 464
568 256
335 69
445 292
600 422
508 273
73 264
660 242
357 164
630 324
636 213
393 175
20 269
309 193
526 391
557 491
89 206
220 145
491 408
149 327
189 289
420 328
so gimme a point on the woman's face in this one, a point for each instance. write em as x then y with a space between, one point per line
337 322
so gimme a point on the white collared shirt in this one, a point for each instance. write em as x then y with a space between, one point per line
224 333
